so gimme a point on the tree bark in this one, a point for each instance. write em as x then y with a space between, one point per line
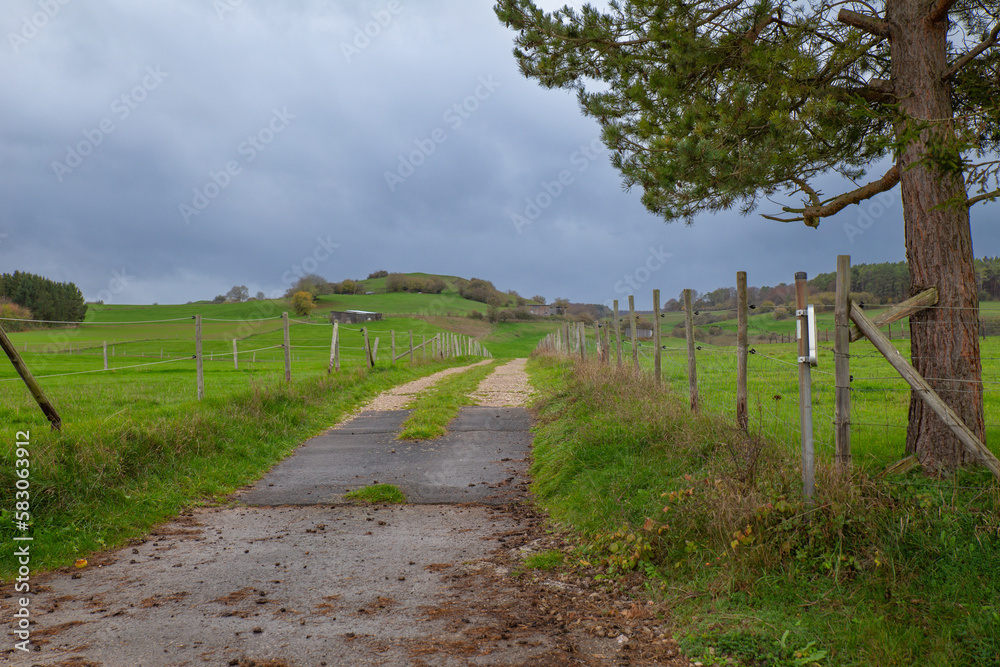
944 343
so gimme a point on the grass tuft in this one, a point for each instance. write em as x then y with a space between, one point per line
545 560
434 409
377 493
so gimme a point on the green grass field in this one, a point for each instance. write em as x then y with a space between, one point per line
151 350
880 397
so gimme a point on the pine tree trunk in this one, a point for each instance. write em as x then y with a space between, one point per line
944 343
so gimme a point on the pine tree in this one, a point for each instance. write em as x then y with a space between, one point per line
709 104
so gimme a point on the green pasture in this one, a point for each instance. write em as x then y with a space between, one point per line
880 398
151 348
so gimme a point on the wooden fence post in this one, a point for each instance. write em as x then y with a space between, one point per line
106 355
334 357
618 334
607 343
692 365
392 344
423 346
634 334
236 359
199 358
805 387
742 315
598 348
36 390
925 391
375 352
842 363
288 348
657 356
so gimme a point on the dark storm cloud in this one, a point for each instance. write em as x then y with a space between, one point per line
165 151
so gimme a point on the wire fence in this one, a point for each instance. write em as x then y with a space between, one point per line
879 396
160 361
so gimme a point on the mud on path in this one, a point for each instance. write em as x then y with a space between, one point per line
334 584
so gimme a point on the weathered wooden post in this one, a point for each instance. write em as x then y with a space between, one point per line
334 347
199 358
236 359
692 366
657 356
805 385
288 348
106 355
392 344
368 349
598 348
742 315
842 363
632 326
48 409
618 333
423 347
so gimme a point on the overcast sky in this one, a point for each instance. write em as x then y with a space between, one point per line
166 151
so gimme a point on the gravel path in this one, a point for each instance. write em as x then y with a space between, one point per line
399 397
506 386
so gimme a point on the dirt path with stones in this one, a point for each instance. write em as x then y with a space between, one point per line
338 584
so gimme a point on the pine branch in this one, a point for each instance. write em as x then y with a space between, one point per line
978 198
870 24
811 215
718 12
971 55
940 10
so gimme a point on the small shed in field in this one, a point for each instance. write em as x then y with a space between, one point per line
354 316
542 310
642 330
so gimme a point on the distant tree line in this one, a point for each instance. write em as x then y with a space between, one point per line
39 298
400 282
871 284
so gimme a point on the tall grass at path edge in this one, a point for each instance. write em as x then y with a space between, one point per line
900 570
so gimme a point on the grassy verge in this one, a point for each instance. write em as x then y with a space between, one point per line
433 410
898 571
106 480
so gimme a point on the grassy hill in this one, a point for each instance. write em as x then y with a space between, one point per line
402 303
